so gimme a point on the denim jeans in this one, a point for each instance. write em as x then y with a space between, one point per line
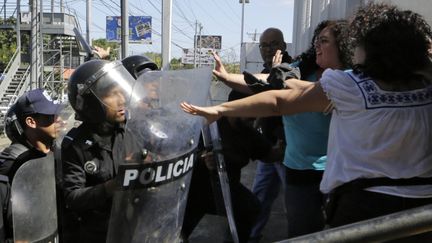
304 209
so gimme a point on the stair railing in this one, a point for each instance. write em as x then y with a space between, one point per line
10 71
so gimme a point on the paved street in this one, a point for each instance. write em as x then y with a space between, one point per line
211 229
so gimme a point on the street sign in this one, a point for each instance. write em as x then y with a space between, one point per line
209 41
203 56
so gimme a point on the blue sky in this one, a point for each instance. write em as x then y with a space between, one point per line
218 17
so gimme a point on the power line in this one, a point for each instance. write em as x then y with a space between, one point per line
106 5
174 26
176 3
154 6
191 10
223 11
210 15
232 10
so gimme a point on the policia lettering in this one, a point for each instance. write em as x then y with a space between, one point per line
155 174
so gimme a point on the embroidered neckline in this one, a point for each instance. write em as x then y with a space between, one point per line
375 97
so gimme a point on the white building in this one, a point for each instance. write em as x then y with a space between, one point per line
308 13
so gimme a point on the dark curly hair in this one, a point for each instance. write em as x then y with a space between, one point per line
395 42
308 58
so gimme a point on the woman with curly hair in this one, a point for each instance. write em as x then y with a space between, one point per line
379 157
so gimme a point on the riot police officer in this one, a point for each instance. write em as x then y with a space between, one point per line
98 91
138 64
32 125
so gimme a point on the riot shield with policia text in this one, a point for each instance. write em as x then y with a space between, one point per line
154 181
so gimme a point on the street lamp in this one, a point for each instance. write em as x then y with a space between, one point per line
242 20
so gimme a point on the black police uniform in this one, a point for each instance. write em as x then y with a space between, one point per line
91 155
11 159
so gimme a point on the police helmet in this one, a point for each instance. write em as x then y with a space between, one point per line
90 82
138 64
13 128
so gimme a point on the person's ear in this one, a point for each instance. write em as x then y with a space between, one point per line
30 122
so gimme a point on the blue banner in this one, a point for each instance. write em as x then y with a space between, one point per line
140 29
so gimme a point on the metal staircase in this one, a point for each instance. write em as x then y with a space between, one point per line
61 52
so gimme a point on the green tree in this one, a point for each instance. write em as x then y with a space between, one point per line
155 57
115 47
7 43
177 64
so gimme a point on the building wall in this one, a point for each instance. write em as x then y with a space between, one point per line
308 13
422 7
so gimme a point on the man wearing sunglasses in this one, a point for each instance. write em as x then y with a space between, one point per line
32 125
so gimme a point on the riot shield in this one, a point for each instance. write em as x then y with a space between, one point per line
212 142
149 206
33 200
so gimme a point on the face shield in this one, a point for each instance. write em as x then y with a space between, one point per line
112 85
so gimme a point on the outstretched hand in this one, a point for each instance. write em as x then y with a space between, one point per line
210 113
219 71
101 52
277 58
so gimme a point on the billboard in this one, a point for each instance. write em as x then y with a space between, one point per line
209 41
140 29
203 56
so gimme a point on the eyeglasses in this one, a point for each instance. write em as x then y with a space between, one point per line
271 45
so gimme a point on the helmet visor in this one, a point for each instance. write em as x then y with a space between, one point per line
114 87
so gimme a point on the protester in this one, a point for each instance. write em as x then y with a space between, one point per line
307 133
269 176
379 140
32 125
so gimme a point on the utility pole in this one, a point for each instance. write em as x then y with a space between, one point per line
61 6
195 42
34 43
254 35
242 20
197 47
124 29
41 51
88 20
166 33
18 27
200 46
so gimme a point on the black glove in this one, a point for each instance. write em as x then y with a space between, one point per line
275 79
255 84
281 73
